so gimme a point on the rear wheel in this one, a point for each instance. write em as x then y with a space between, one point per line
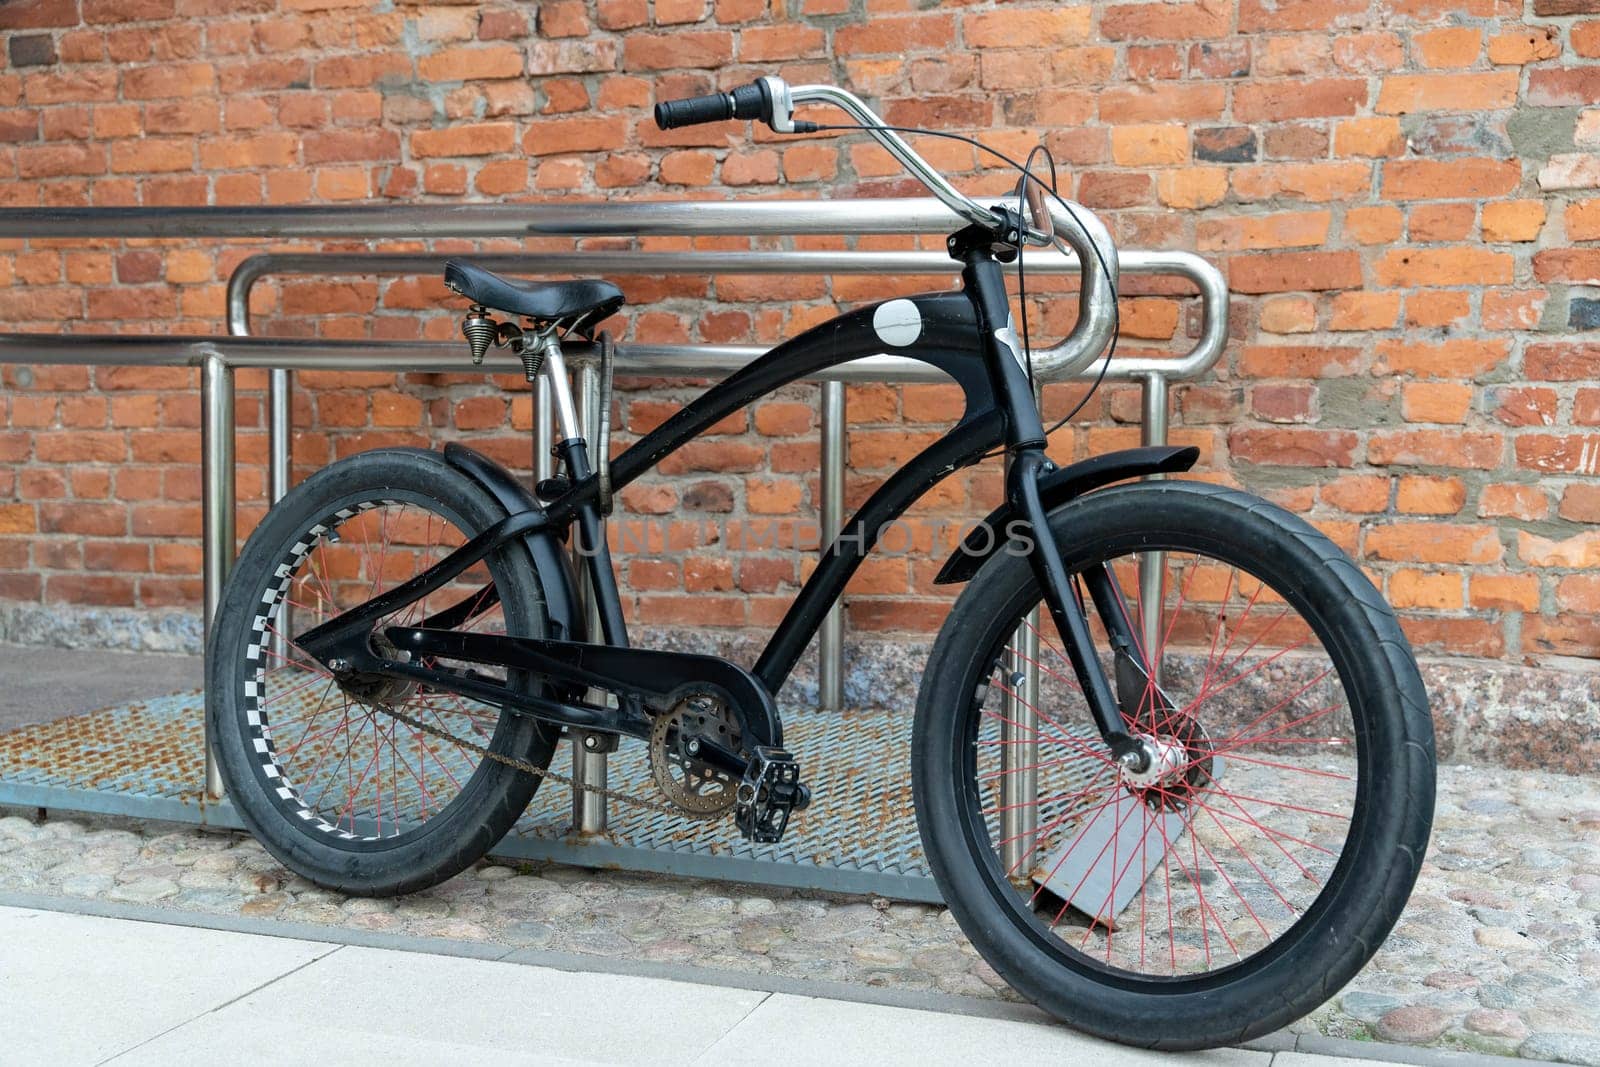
337 790
1242 880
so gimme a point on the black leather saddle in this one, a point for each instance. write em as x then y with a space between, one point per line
578 303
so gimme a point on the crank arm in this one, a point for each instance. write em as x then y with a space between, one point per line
1066 610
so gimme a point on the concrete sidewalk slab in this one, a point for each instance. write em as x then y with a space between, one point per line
85 989
405 1007
78 989
811 1030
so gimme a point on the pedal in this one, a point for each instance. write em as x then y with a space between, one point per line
768 793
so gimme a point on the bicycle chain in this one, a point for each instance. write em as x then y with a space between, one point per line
527 767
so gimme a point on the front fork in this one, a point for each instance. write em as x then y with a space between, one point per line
1112 709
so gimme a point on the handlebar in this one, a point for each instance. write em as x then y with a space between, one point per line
771 100
753 101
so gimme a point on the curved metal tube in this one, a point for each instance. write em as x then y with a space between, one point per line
1050 364
413 221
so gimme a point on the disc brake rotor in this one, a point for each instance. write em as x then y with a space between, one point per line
694 786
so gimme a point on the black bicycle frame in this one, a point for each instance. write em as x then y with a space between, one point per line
968 335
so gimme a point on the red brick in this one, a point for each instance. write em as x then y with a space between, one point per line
1557 453
1273 101
1563 86
1435 179
472 64
673 51
1282 272
1436 448
1562 362
1255 15
1454 359
1444 266
1293 447
1412 93
1161 103
1434 542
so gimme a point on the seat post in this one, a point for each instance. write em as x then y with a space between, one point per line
554 369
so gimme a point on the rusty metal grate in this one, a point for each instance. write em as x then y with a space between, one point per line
144 760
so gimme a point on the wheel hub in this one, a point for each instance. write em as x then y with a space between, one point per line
377 688
1177 765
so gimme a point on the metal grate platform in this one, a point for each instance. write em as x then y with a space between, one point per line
145 760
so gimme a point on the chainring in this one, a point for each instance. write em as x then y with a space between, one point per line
693 786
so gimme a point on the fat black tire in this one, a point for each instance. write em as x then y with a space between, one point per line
489 802
1369 887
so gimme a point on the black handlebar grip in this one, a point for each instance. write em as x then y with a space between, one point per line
714 107
746 102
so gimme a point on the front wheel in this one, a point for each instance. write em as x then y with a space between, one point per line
1237 884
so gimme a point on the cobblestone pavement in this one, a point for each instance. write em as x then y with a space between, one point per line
1499 951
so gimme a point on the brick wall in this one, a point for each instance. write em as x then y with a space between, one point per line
1405 196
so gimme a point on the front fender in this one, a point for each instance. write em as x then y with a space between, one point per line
1056 488
549 558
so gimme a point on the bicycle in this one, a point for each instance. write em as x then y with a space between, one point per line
1212 816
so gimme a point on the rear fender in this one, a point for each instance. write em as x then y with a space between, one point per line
549 556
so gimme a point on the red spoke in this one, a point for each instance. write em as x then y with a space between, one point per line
1205 905
307 684
1250 859
357 787
1172 928
1075 794
1216 750
287 753
286 599
1289 767
1111 893
1272 834
1166 876
1045 642
1222 616
1291 807
1274 735
1033 767
290 661
1239 629
402 761
1061 736
1076 841
1225 877
1088 819
378 578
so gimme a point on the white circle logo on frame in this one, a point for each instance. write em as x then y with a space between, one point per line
898 322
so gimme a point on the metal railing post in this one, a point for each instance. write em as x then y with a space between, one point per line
1152 565
280 432
589 768
217 510
830 638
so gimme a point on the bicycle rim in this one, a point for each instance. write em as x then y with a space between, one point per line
1222 854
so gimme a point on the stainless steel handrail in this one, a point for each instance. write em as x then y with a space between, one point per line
217 357
1057 362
